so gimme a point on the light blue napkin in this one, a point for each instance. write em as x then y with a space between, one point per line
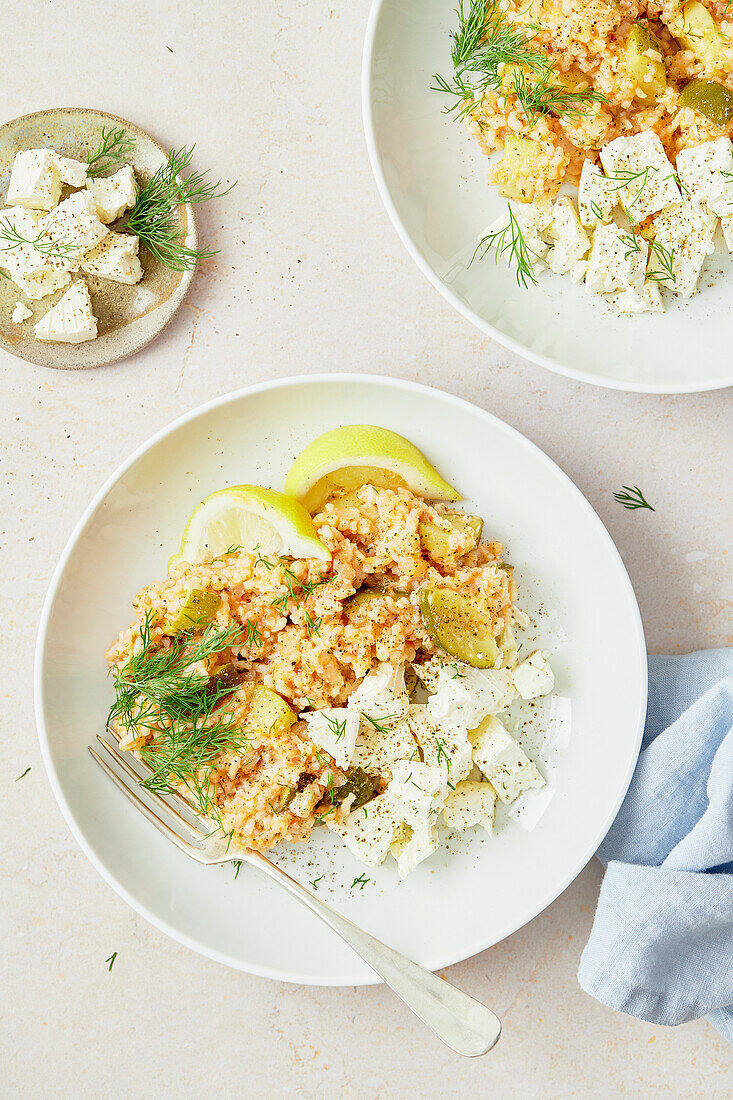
661 947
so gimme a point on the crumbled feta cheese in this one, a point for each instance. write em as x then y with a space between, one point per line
444 744
617 261
368 831
688 234
410 848
37 271
34 181
71 320
377 749
466 695
15 220
418 793
428 672
73 172
470 804
726 223
706 173
534 677
115 258
382 695
335 729
647 300
20 313
532 221
640 165
570 242
74 225
503 762
114 194
597 195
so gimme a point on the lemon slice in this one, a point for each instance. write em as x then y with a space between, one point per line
341 460
246 517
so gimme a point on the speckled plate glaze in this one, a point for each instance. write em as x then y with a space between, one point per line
128 316
475 890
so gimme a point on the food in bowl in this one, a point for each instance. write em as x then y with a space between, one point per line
629 104
358 687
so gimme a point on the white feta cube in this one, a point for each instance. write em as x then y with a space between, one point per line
706 174
648 300
410 848
71 320
20 313
444 744
597 195
335 729
378 747
382 695
570 242
368 831
15 221
417 792
503 762
34 181
470 804
532 221
74 225
114 194
466 695
646 177
617 261
73 172
534 676
688 234
116 258
726 223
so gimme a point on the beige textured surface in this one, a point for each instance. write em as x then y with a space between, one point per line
311 277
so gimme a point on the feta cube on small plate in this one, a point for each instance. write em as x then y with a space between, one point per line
114 194
71 320
34 180
74 225
335 729
503 762
20 313
116 258
471 803
73 172
646 178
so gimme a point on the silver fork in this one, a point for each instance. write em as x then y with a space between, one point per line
461 1022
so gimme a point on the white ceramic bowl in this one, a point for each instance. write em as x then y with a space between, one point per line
431 175
571 579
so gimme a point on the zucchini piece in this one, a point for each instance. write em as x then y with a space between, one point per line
709 98
700 32
361 784
282 803
520 159
365 595
459 625
434 539
648 72
197 610
268 713
228 679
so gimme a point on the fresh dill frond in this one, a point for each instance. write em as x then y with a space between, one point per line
237 865
378 725
111 960
631 497
361 882
315 881
154 216
253 634
24 774
114 147
542 97
312 626
510 242
338 729
665 258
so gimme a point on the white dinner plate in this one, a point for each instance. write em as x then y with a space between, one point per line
586 738
431 174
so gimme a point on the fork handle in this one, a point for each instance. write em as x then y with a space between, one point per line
462 1023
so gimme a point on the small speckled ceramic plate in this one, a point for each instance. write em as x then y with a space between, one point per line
128 316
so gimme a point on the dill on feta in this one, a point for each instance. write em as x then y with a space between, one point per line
631 497
41 243
664 257
114 147
510 242
154 217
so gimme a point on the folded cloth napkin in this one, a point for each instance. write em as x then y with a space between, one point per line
661 947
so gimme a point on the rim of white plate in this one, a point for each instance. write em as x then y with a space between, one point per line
201 410
553 365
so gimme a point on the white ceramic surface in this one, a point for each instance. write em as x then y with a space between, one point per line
431 176
571 578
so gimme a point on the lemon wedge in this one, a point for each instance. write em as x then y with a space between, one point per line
249 517
341 460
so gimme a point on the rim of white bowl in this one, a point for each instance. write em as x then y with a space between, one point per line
201 410
553 365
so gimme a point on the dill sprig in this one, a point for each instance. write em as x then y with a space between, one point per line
154 216
632 497
665 258
510 242
114 147
541 97
42 243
